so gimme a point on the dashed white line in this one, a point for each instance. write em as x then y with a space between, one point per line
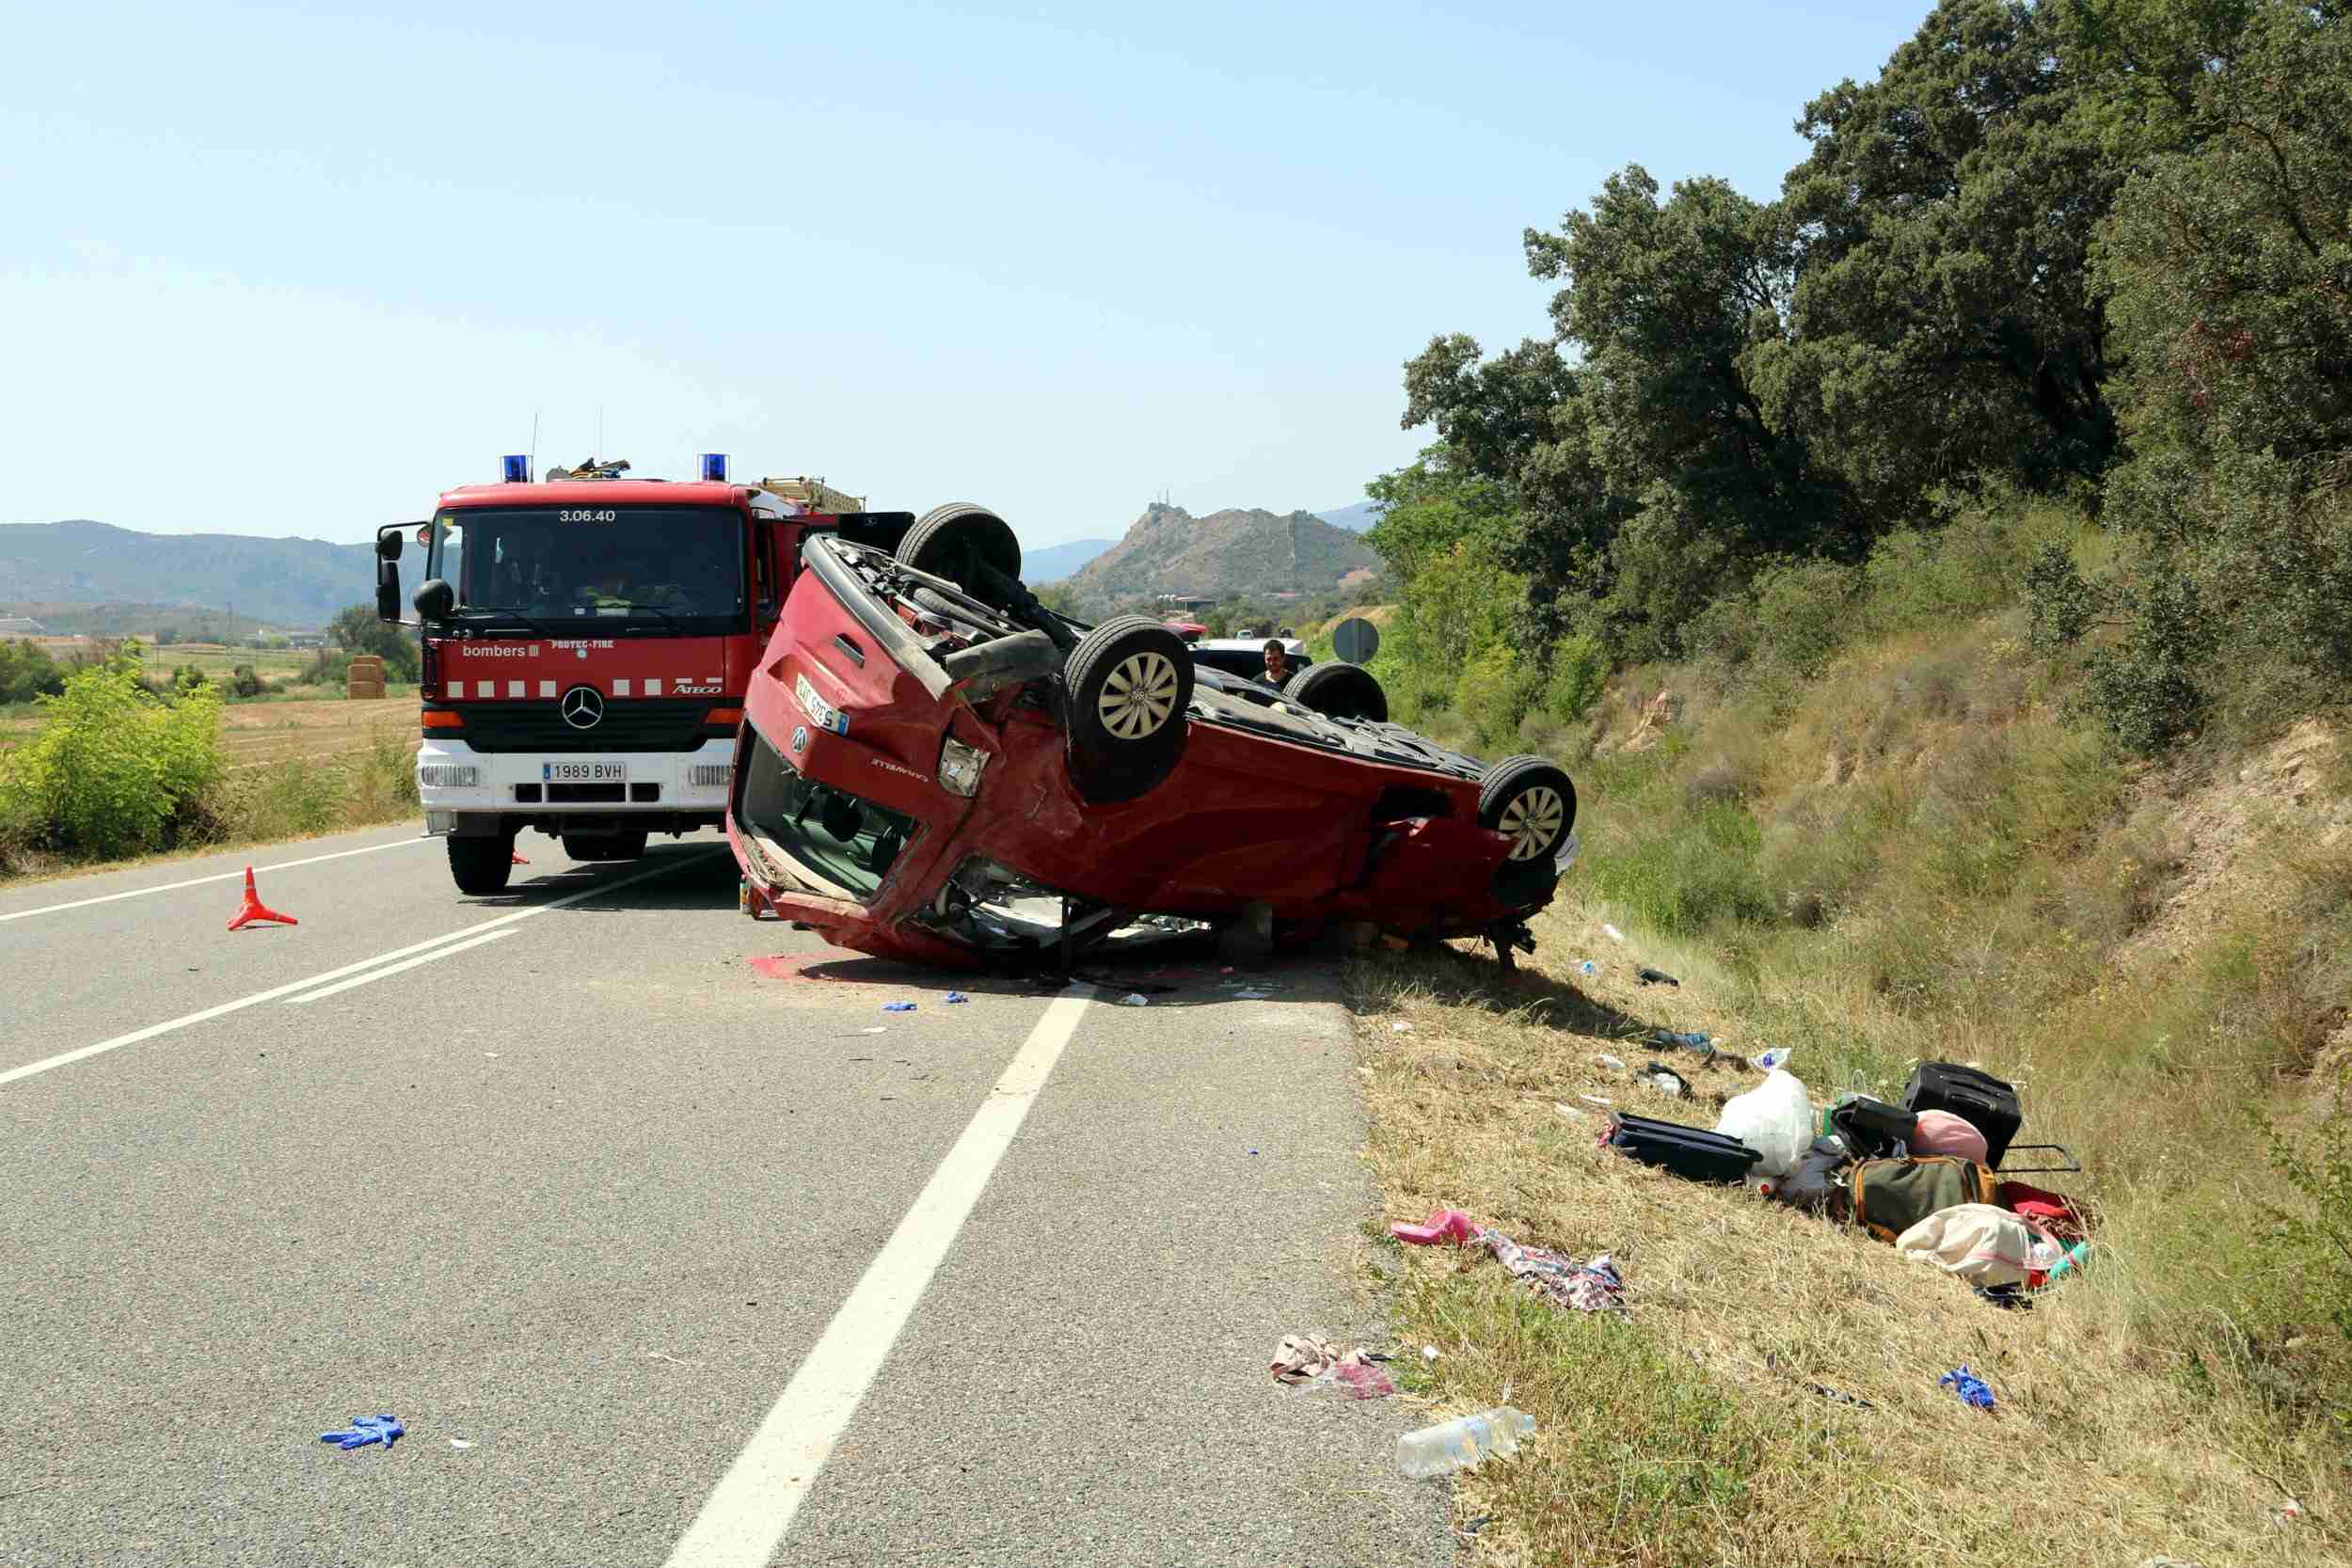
66 1058
747 1514
199 881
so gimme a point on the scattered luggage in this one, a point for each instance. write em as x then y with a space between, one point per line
1985 1102
1981 1243
1873 1129
1942 1133
1693 1152
1817 1185
1892 1195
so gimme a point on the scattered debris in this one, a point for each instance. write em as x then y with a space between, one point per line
1462 1444
1135 999
1252 995
1971 1389
1614 935
1595 1100
1312 1364
253 909
1665 1080
1443 1224
1588 967
1833 1395
459 1443
1400 1027
1770 1060
897 1007
1429 1353
1613 1064
365 1429
1593 1287
1658 977
1672 1039
1568 1110
955 996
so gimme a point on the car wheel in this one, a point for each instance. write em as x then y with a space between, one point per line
959 540
481 867
1339 691
604 847
1129 683
1533 802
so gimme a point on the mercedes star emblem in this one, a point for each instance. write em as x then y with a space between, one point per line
583 708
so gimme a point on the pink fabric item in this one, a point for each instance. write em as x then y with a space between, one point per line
1445 1225
1942 1133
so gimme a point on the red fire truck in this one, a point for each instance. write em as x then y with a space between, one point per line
587 639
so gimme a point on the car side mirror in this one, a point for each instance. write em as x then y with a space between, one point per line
434 598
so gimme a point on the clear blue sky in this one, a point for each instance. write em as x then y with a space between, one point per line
273 271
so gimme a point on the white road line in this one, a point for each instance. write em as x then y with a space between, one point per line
66 1058
747 1514
199 881
390 969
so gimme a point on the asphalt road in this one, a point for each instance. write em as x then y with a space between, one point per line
661 1254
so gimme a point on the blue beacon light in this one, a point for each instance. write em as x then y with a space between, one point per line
715 466
516 466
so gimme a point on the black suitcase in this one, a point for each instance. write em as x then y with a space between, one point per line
1873 1129
1688 1151
1980 1099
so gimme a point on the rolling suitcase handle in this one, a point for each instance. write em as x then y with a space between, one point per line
2006 1171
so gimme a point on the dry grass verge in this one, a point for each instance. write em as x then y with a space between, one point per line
1695 1434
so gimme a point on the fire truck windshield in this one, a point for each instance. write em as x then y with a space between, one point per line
678 568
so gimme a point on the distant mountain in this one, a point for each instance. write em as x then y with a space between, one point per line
290 583
1169 551
1356 519
1056 561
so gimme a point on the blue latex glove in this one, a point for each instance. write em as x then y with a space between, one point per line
1970 1388
365 1429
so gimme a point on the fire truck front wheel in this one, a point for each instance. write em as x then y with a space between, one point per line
480 865
605 846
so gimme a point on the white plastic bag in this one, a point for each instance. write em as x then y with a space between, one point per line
1774 1118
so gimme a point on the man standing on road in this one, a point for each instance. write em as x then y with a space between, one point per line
1278 664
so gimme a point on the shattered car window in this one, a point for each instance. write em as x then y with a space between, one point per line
831 841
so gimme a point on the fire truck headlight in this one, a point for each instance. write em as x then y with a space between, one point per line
960 769
447 775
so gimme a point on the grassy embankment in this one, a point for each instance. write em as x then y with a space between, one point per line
1877 841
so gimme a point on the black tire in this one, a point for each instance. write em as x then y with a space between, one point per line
959 540
1530 799
604 847
1129 683
481 867
1339 691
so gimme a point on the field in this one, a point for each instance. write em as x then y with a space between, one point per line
312 725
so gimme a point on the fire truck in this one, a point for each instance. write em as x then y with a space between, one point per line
587 639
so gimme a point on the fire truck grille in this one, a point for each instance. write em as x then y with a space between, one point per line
629 724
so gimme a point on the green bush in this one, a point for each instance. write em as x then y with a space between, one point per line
114 771
1805 612
1580 675
2314 1239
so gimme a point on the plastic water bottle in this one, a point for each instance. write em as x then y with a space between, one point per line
1459 1445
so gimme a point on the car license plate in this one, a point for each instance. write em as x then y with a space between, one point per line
584 772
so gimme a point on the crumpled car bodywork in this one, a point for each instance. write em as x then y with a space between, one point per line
914 785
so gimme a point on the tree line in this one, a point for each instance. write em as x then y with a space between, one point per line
2099 250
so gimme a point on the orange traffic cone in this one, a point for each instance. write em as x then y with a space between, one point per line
255 909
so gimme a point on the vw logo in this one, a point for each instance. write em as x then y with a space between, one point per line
582 707
800 737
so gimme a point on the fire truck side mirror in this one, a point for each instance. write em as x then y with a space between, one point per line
435 599
387 591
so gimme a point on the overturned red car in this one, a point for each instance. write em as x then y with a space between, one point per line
933 766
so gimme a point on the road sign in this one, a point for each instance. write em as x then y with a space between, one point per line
1356 640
